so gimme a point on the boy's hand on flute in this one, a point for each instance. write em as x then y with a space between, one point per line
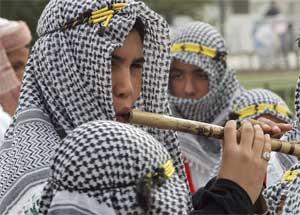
243 162
276 130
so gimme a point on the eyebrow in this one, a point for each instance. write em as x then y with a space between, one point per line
200 71
174 69
140 60
121 59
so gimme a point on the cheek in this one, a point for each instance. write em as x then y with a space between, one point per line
202 88
9 101
137 84
20 73
18 56
113 79
117 76
19 67
176 87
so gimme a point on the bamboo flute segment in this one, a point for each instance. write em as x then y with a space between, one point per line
200 128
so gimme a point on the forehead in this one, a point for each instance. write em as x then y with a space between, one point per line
185 67
132 45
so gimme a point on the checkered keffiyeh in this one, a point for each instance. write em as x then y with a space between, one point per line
223 84
108 161
290 191
67 82
261 96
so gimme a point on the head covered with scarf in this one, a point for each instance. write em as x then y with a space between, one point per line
14 37
201 45
260 102
285 195
255 103
114 166
68 82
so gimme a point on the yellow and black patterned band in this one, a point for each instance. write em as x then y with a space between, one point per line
198 49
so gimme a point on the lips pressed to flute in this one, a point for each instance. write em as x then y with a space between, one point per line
199 128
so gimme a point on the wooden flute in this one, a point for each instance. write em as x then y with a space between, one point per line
200 128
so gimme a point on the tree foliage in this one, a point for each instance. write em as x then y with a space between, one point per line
171 8
30 10
26 10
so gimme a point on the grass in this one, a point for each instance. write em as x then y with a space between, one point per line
273 80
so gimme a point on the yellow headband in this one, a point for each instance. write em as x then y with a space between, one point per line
199 49
96 17
253 109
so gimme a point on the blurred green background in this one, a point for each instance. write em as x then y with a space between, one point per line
26 10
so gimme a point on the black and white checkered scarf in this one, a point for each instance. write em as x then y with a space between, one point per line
261 96
289 191
68 82
109 162
223 84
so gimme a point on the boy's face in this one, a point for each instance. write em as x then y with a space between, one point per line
9 100
18 59
187 81
127 65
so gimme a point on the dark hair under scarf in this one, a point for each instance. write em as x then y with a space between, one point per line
67 82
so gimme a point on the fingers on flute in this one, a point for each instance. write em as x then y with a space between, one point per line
267 145
247 135
242 163
259 140
284 127
272 127
264 123
230 139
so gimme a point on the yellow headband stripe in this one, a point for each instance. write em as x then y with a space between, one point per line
96 17
106 14
197 48
117 6
254 109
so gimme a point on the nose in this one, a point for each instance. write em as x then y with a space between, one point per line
123 86
189 88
